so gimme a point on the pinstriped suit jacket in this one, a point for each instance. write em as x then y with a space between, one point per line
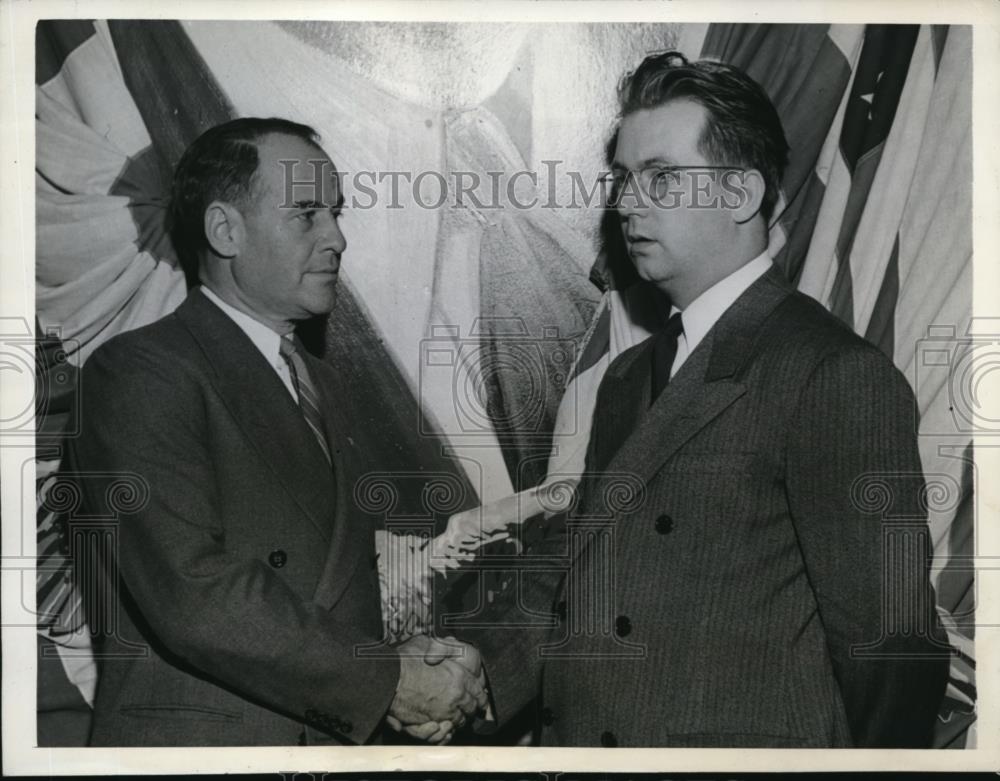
248 582
767 585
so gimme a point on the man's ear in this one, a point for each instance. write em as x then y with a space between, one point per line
743 192
224 228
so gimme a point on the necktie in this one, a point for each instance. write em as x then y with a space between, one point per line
60 608
308 397
664 352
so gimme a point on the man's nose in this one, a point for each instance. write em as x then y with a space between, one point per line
332 237
630 202
627 209
630 219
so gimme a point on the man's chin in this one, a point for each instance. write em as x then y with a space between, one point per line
648 267
323 303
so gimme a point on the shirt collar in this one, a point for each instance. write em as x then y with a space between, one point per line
700 315
266 340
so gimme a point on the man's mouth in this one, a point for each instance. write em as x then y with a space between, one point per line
334 271
637 241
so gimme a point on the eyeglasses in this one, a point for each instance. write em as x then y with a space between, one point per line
663 185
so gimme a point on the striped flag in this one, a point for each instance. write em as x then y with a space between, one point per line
891 255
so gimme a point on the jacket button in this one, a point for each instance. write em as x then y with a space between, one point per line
561 610
608 740
623 627
277 558
548 716
664 524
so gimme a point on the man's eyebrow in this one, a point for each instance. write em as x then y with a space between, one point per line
649 161
338 204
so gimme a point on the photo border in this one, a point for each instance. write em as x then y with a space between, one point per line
17 293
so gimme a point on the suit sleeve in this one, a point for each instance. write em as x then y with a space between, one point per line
854 482
510 650
229 617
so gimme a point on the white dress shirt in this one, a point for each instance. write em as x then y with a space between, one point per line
701 314
264 339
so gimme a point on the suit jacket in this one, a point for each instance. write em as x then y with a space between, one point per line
748 565
247 609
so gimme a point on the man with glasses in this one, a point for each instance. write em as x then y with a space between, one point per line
754 594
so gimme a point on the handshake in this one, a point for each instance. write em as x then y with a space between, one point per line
441 683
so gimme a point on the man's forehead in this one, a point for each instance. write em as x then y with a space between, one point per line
297 171
667 134
288 144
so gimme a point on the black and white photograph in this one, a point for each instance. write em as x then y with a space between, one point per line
392 385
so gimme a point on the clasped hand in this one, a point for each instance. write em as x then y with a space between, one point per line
441 683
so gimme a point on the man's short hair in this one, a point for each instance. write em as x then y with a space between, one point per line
742 128
220 165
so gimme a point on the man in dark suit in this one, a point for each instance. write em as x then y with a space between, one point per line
751 591
243 587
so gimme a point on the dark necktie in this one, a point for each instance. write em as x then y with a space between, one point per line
664 352
308 397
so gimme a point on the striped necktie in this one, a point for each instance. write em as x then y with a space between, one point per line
308 397
59 605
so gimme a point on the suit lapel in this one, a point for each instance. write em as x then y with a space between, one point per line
262 407
707 383
685 406
627 388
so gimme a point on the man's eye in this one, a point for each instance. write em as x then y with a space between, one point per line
666 176
306 216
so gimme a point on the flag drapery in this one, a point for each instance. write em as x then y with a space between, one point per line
874 221
886 205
